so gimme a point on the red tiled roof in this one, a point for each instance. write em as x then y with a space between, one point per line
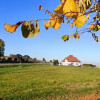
71 58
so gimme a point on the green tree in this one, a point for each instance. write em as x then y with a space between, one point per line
55 62
2 49
11 55
44 61
50 61
34 60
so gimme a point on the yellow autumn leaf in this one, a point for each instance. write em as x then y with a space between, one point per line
57 24
82 5
46 28
96 38
71 25
40 7
92 26
79 21
67 8
76 36
98 17
54 22
72 36
98 26
12 28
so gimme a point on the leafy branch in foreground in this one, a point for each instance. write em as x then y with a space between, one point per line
73 11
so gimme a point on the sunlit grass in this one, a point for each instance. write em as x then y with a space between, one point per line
45 80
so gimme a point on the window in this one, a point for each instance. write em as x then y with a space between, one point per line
76 63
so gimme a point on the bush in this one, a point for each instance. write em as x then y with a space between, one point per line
55 62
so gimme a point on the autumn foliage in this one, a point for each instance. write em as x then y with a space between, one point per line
73 12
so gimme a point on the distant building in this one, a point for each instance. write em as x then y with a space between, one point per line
71 61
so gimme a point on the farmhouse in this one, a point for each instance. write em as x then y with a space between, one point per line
71 61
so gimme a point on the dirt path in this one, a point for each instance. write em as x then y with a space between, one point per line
89 97
93 96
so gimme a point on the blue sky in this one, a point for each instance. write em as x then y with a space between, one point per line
48 43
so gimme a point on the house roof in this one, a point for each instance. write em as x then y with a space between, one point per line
71 58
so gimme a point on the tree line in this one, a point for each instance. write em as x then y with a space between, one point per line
18 58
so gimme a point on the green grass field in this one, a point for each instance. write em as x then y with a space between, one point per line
41 81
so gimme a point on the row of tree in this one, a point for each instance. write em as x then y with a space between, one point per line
18 58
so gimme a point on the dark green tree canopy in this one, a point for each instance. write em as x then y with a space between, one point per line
2 45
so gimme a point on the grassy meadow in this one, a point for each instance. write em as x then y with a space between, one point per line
46 81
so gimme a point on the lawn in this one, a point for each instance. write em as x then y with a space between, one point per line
41 81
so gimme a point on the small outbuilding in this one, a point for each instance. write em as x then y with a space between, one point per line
71 61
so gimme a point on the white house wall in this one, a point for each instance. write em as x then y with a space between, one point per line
76 63
66 63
